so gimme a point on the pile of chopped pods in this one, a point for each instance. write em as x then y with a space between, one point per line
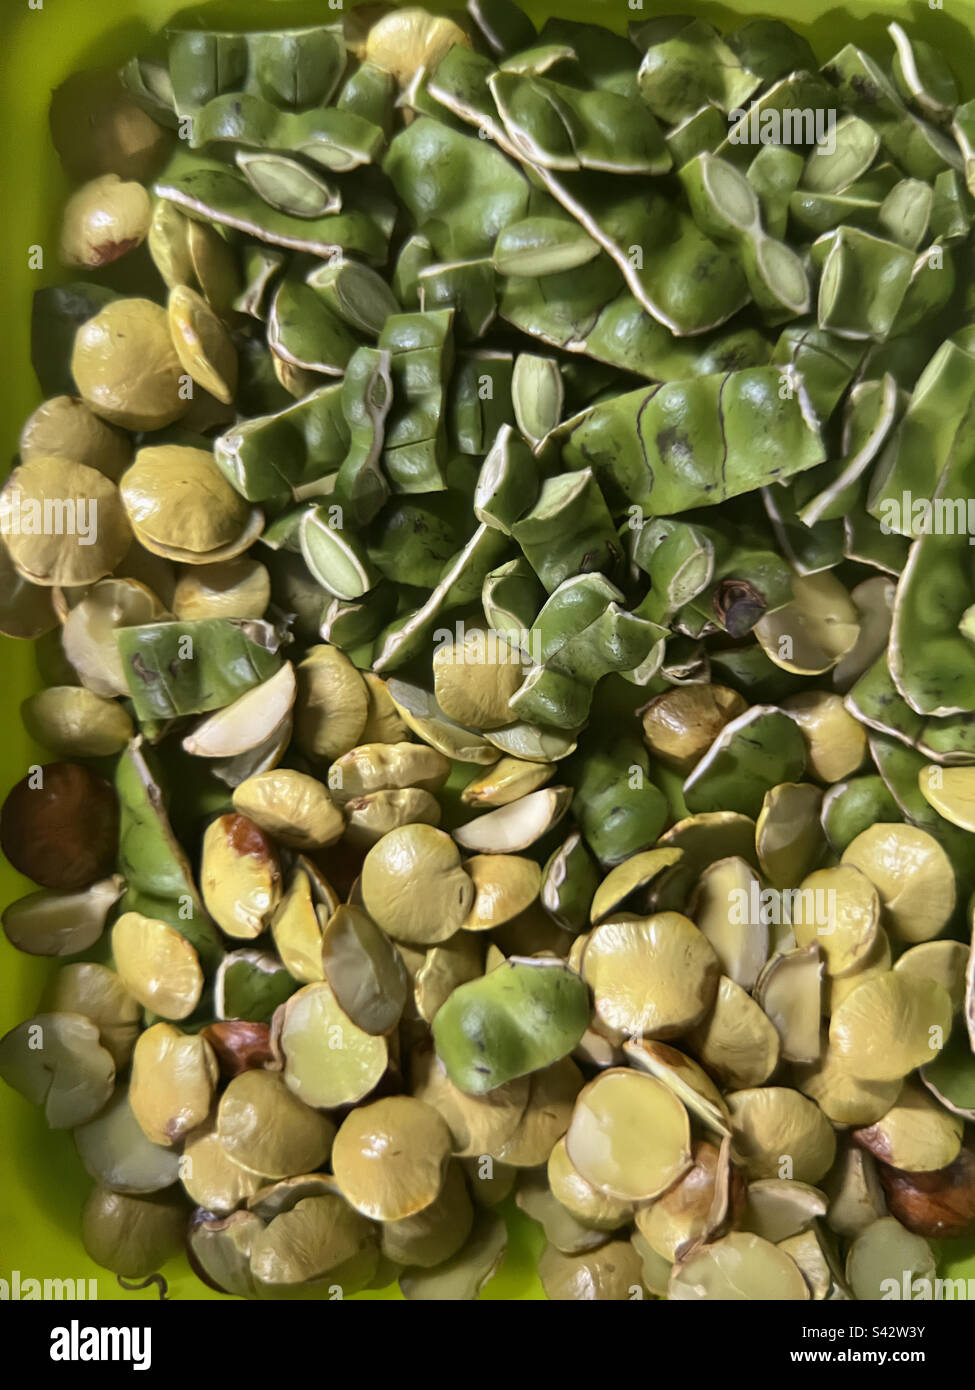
497 538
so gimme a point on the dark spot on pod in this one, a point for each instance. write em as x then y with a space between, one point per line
738 605
144 673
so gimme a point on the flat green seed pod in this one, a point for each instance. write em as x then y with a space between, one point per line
516 1020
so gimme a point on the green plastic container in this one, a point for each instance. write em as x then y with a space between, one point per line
42 1182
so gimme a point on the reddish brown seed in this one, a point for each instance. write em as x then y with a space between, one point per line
59 826
240 1045
937 1205
244 837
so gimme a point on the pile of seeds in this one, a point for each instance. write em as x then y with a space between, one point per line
504 597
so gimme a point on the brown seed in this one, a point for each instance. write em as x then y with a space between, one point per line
240 1045
938 1205
59 826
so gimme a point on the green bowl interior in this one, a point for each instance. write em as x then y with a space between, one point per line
42 1182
